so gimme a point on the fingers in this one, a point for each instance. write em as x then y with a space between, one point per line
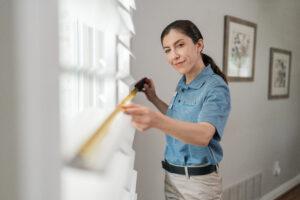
141 116
134 109
145 88
139 127
139 119
130 105
149 83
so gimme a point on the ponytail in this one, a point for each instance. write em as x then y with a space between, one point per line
208 60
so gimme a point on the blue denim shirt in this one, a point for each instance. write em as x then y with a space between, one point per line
205 99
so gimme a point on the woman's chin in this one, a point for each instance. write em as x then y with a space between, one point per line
181 70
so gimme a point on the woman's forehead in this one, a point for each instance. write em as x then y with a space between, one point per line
173 36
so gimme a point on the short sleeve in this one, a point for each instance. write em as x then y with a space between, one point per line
216 108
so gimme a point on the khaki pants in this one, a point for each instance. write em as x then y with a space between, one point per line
204 187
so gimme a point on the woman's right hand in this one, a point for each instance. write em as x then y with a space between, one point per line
149 90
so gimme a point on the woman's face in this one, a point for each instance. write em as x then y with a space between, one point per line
181 52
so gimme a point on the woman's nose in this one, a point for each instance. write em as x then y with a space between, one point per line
174 55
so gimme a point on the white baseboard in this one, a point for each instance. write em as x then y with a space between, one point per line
282 189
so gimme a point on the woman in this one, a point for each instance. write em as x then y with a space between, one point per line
193 121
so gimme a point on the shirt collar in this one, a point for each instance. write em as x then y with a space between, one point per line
198 81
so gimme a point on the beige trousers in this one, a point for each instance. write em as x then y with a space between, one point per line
204 187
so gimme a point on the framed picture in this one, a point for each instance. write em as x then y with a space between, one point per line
239 49
279 73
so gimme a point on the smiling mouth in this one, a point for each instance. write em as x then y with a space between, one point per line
179 63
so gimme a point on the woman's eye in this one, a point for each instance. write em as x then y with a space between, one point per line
167 51
181 45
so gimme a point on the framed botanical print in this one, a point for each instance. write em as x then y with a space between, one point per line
279 73
239 49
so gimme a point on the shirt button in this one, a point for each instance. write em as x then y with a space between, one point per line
179 101
182 90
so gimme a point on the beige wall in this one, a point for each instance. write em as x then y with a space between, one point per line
259 131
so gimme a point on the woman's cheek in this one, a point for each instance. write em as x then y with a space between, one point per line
170 61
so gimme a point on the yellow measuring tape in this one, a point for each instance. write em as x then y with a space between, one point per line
88 146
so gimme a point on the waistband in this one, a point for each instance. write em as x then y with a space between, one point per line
189 170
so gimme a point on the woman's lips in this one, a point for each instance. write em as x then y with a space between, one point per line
179 63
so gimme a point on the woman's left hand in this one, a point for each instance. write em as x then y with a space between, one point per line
142 117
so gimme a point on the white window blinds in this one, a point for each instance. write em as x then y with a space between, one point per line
95 58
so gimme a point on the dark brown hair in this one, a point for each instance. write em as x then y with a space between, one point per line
190 29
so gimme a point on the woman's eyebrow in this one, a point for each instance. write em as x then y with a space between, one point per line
177 41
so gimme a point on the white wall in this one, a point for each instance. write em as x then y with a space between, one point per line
29 131
8 159
259 131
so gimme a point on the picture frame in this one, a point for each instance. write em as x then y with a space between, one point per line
279 73
239 49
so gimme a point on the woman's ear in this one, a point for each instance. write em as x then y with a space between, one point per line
200 45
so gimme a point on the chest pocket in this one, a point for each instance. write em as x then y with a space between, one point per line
190 102
190 109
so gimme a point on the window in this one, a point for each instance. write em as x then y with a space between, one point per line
95 58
